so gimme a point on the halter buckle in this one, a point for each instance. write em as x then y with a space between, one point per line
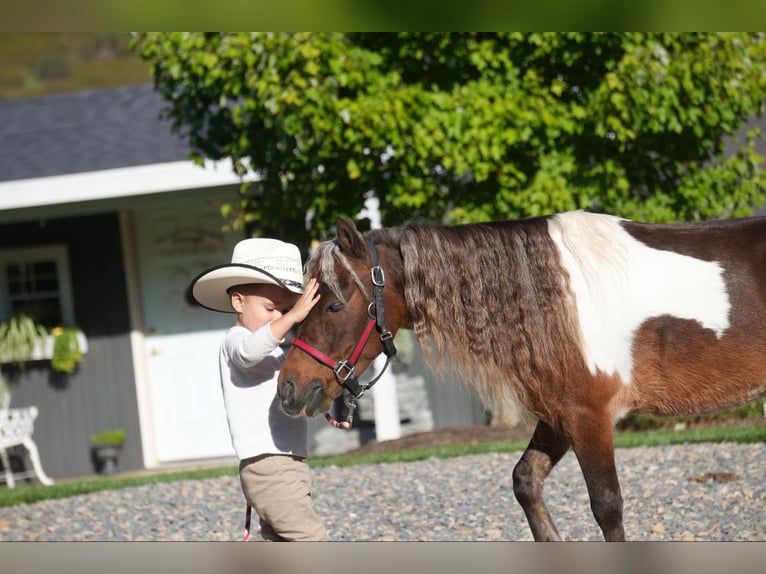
389 348
378 277
339 367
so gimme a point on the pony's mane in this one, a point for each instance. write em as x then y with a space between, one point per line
492 300
322 262
487 301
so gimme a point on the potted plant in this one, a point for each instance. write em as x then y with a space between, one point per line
23 339
105 448
67 353
19 337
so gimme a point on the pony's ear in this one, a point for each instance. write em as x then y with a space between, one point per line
350 240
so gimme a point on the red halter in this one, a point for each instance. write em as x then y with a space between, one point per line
338 367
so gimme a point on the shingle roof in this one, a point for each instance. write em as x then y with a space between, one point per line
85 131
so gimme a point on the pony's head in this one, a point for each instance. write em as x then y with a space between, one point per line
341 336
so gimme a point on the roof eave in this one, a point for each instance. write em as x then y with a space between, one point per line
37 194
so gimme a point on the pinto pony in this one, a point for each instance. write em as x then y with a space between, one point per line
583 317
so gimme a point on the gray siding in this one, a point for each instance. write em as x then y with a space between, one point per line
452 402
101 393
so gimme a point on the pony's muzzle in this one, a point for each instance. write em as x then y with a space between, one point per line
307 403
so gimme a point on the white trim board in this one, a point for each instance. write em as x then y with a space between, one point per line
115 183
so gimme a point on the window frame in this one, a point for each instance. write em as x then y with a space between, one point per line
56 252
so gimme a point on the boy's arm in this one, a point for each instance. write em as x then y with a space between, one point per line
246 349
280 327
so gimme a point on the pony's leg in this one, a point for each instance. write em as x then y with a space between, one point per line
545 449
593 444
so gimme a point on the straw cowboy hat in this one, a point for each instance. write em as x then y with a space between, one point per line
259 260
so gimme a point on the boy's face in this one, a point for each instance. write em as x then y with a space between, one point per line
256 305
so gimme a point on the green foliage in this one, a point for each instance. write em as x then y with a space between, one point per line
40 63
643 422
18 337
114 437
466 127
66 349
751 409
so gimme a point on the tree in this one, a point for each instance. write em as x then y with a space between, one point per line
469 126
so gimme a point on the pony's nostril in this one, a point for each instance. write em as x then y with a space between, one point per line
286 391
316 386
314 398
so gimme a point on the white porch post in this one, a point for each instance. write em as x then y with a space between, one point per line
386 403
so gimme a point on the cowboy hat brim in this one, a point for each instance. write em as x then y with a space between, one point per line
210 288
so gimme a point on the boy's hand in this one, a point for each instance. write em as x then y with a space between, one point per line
299 311
306 302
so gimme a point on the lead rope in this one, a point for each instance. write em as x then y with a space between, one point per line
345 425
248 516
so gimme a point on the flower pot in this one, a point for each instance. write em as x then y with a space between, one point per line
104 457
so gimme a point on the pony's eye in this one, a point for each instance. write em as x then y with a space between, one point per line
335 307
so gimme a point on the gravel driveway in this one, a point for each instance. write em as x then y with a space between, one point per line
687 492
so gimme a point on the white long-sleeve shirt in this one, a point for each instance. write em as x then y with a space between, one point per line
249 364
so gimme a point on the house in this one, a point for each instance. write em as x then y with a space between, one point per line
104 222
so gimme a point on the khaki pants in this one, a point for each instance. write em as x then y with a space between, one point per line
279 489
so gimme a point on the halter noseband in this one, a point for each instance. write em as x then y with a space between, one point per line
345 371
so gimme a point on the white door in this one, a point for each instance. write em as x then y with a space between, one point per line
182 339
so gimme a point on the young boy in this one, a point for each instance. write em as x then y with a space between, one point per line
263 285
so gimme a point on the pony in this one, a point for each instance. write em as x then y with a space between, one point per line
581 317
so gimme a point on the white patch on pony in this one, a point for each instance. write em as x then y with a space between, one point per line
619 282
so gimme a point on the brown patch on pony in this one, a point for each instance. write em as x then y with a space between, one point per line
504 326
681 368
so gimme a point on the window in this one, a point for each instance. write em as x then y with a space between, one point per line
35 281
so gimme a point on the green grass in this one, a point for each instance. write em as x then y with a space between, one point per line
743 434
28 493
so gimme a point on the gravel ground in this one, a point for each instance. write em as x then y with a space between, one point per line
690 492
